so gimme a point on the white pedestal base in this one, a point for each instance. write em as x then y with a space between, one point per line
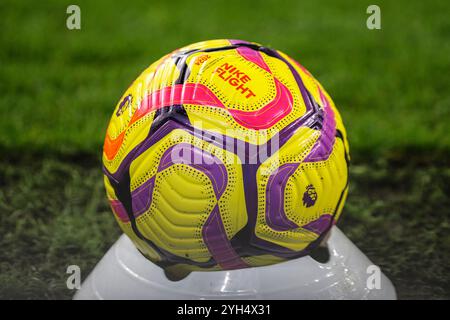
123 273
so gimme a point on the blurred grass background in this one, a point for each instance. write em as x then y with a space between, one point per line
58 89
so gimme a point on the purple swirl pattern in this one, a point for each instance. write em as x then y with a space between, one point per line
276 217
324 145
213 231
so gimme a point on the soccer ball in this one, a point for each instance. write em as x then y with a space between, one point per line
225 154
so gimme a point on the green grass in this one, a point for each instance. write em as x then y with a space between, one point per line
398 216
53 214
59 87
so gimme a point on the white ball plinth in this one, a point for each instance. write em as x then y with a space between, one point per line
123 273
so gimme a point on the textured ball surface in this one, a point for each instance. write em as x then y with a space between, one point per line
223 155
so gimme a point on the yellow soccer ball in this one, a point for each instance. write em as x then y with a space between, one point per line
225 154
